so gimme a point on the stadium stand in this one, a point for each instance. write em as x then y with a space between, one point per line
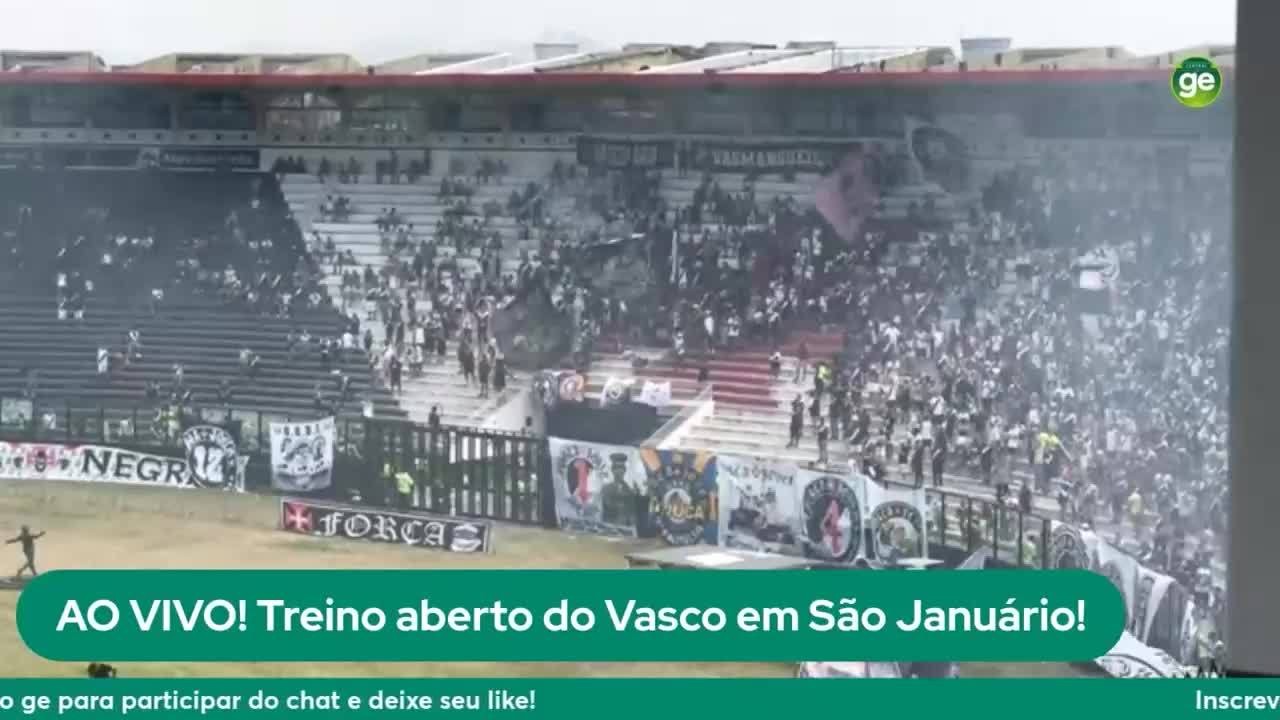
202 267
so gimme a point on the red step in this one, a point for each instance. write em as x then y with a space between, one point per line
757 382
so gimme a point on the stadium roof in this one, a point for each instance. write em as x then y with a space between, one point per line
721 58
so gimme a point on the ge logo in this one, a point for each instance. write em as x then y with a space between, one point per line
1196 82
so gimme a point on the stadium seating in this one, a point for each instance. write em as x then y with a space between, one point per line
191 327
420 205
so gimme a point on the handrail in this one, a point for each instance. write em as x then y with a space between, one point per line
675 422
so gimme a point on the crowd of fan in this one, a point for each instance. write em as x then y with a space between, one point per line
974 351
1119 412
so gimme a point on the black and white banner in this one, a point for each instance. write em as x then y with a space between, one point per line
605 153
1132 658
767 157
317 519
211 461
240 159
897 519
302 455
599 488
1148 595
761 505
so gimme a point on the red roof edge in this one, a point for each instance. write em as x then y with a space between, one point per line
556 81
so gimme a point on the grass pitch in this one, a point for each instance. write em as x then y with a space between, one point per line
121 527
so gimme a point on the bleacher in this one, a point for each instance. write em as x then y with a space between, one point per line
191 326
421 205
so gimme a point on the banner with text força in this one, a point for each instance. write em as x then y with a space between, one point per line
414 529
211 460
600 489
302 455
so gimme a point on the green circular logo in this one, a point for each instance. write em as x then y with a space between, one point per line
1196 82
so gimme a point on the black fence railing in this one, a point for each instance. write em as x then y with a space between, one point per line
462 471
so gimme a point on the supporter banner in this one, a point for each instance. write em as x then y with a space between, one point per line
1121 569
597 152
599 488
897 519
940 156
14 156
307 517
848 195
246 160
831 515
1131 658
16 412
616 391
684 501
1148 595
656 394
767 157
211 461
546 388
759 497
302 455
1159 590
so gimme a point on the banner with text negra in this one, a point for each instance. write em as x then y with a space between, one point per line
211 461
302 455
760 504
684 500
600 489
897 521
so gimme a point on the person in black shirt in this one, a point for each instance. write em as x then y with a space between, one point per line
939 458
466 362
433 419
824 434
499 372
917 463
483 374
395 368
28 541
797 421
987 461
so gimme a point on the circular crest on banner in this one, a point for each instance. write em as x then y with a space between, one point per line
212 459
571 387
832 519
899 530
682 503
576 465
1067 549
615 392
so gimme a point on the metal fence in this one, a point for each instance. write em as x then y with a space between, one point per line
459 470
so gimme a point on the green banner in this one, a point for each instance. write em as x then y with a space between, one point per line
570 615
632 699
